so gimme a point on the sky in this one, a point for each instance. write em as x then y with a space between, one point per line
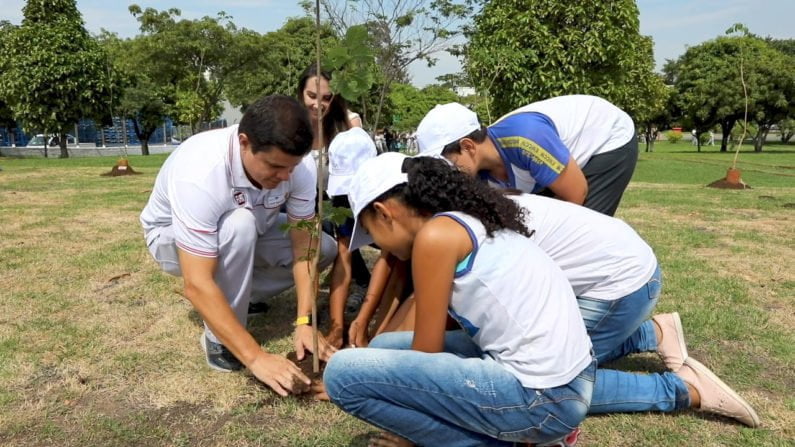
673 24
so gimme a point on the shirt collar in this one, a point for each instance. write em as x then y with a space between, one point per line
237 175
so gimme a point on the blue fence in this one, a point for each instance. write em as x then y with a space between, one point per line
88 133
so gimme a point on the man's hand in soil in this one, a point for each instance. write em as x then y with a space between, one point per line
303 342
282 375
334 336
357 334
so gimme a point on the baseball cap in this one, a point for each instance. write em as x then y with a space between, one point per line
374 177
443 125
347 151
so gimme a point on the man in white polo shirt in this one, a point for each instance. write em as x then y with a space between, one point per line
579 148
214 219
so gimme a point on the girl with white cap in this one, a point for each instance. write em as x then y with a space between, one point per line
520 371
522 341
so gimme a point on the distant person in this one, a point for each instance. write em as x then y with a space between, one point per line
389 138
694 139
335 118
213 218
711 138
579 148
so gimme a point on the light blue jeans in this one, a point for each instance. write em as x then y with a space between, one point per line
621 327
459 397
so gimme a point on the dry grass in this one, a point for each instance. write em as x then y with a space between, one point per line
97 347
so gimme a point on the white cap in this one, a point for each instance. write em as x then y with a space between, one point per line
374 177
347 151
443 125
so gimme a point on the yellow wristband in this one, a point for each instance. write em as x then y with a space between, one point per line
306 319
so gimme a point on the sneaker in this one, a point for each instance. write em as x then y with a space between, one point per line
257 308
716 396
671 348
218 357
354 303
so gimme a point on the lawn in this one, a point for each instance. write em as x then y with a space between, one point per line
98 348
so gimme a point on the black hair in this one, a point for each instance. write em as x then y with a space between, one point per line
478 136
434 187
336 118
277 121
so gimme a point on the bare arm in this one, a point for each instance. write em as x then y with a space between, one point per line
438 247
277 372
571 185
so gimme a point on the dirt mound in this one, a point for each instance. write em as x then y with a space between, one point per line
122 168
725 184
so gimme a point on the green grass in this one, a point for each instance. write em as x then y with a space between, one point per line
89 360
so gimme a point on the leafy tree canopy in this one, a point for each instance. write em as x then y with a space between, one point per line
411 104
521 52
58 74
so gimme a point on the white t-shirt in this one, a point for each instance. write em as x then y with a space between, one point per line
603 257
518 307
588 125
203 179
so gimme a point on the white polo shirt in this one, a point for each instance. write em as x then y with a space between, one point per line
203 179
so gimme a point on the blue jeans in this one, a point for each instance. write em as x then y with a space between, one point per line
618 328
459 397
621 327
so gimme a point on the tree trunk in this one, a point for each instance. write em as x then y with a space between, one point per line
143 136
726 130
62 144
761 136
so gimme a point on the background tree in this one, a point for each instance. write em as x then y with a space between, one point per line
709 88
196 56
521 52
403 32
657 114
413 103
138 97
787 129
6 115
272 63
58 75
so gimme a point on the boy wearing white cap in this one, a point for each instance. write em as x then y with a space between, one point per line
347 151
580 148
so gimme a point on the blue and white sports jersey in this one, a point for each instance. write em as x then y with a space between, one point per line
533 153
518 307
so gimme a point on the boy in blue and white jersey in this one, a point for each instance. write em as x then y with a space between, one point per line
580 148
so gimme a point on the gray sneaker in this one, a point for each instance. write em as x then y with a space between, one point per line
218 357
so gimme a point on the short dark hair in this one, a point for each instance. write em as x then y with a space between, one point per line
478 136
277 121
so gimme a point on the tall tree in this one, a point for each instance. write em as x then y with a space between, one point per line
196 56
272 63
6 115
58 75
138 97
521 52
404 32
710 91
413 103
